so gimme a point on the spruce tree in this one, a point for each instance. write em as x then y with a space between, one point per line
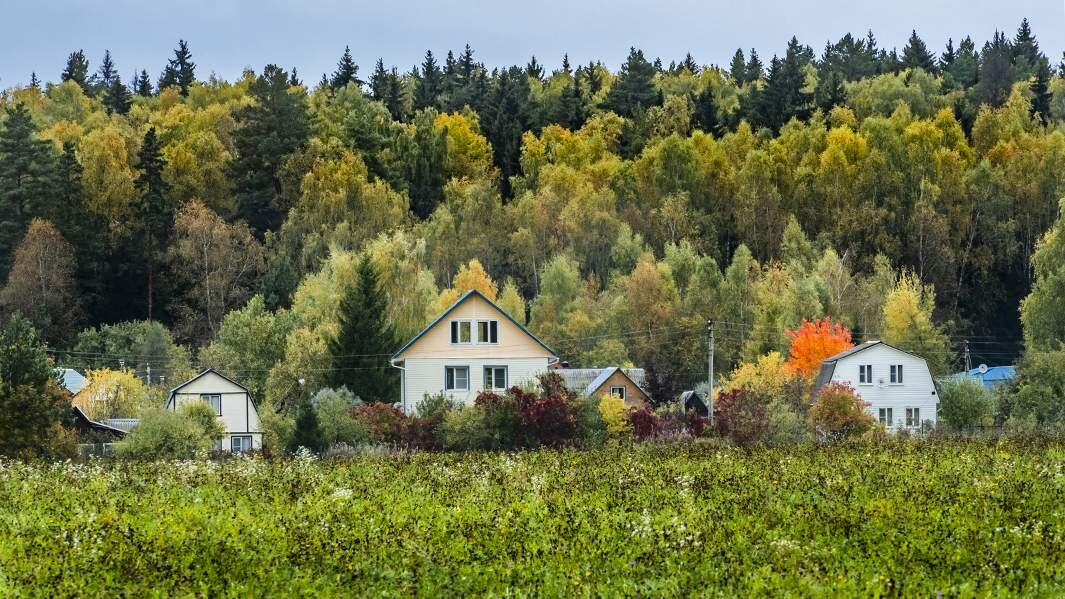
143 85
534 70
996 71
118 99
396 100
430 83
966 64
916 55
27 167
755 70
77 69
947 58
1041 95
689 64
271 128
634 88
830 92
738 68
365 339
80 226
379 82
347 71
156 211
180 71
506 118
294 78
1026 53
706 112
34 81
106 74
308 433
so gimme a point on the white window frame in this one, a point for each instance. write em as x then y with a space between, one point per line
455 378
472 327
618 390
886 417
491 329
865 374
244 442
456 331
489 373
896 374
913 417
209 398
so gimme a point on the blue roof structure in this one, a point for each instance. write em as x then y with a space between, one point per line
73 380
994 375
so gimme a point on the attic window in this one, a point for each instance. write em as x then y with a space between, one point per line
487 331
461 331
618 392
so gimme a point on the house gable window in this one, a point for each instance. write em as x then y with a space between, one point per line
474 332
896 374
865 374
495 377
618 391
214 400
456 378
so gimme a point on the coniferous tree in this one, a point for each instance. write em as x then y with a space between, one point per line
534 70
755 71
1026 53
831 93
379 82
143 85
505 120
118 99
80 226
294 78
26 170
707 116
106 74
996 74
570 110
634 88
396 100
273 127
77 69
689 64
347 71
1041 94
156 211
430 83
365 336
947 58
916 55
180 71
965 67
308 433
34 81
423 154
738 67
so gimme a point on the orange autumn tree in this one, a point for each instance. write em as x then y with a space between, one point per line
813 342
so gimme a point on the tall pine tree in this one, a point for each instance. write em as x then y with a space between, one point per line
634 89
77 69
143 85
1041 94
347 71
180 71
27 167
916 55
118 99
430 83
156 212
365 338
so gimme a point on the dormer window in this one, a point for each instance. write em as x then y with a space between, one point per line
474 331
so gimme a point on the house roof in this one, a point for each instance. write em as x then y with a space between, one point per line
992 376
73 381
587 380
81 415
458 302
828 365
204 373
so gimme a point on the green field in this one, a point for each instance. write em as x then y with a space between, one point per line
904 519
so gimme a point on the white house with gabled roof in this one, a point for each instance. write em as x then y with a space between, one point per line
897 384
231 401
474 345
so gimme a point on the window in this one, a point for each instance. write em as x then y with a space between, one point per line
913 416
487 331
214 400
456 378
865 374
495 377
618 391
240 444
896 374
886 417
461 331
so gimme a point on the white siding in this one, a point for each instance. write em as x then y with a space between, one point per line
239 415
917 389
425 376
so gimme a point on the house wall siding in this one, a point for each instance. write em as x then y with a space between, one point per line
239 416
513 342
916 391
425 376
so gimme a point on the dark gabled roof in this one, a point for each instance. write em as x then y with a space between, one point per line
851 351
464 297
80 414
204 372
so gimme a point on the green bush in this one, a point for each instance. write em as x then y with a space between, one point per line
163 434
964 403
336 418
1040 390
786 425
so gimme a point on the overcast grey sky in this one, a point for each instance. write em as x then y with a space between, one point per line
227 35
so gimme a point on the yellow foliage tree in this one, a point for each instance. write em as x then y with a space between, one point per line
907 322
113 394
615 416
470 276
769 376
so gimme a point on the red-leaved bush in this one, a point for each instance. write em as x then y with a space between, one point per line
645 424
384 422
550 421
740 415
839 413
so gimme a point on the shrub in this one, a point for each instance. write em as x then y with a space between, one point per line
964 403
615 417
203 416
383 422
550 421
695 423
435 405
465 428
162 434
740 416
278 430
336 419
839 413
786 425
591 427
1040 387
645 424
503 422
308 433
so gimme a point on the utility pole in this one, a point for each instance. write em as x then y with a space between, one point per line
968 360
710 371
148 373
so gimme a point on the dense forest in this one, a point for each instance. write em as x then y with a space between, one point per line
168 223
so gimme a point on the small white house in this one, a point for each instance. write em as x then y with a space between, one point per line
233 403
474 345
897 385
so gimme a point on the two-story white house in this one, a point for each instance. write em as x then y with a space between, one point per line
474 345
897 385
231 401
